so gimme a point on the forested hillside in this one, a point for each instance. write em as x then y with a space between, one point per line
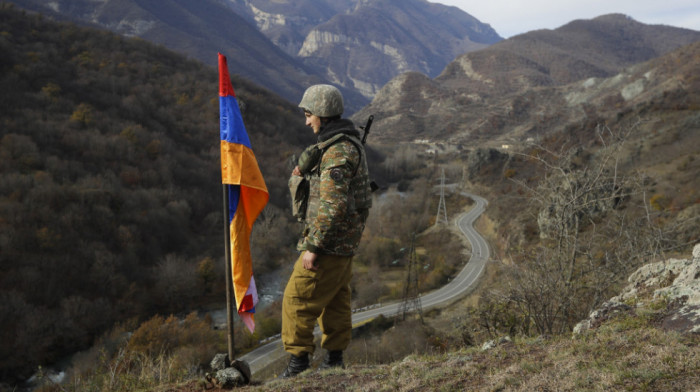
194 29
109 183
287 45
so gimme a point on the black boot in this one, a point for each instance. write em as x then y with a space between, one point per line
332 359
297 364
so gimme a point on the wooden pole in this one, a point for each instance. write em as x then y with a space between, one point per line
229 275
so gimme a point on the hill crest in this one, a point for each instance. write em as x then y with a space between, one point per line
509 87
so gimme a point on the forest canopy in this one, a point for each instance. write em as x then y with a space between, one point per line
110 182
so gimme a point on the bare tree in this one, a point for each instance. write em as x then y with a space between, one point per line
594 228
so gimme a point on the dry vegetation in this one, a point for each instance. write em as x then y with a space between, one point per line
601 192
110 186
627 353
630 352
109 197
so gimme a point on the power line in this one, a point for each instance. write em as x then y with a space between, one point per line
442 210
411 295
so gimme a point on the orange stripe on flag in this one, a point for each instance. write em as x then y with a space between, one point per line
239 166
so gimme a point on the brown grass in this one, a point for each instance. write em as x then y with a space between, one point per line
627 353
618 357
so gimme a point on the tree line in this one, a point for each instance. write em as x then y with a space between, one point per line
110 185
110 209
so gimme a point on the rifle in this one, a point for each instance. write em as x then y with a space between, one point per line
366 128
373 185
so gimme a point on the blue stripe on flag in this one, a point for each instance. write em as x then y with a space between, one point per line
231 122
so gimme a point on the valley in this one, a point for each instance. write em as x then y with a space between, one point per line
582 139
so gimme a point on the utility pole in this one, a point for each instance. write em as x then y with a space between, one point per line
442 210
411 295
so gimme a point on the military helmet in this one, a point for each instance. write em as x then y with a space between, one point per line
322 100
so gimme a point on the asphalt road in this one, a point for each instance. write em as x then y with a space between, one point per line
269 353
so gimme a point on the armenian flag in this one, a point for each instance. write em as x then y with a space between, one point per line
247 194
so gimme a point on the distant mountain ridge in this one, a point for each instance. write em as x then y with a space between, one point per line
198 29
286 46
484 94
599 47
107 144
372 41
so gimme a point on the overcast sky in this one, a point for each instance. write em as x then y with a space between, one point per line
512 17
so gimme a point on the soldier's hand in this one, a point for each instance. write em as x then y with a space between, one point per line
309 260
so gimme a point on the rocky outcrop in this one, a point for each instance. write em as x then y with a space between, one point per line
677 281
361 45
366 47
286 23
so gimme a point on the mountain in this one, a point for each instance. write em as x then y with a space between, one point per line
365 46
287 45
109 194
286 23
512 87
492 130
198 29
110 184
599 47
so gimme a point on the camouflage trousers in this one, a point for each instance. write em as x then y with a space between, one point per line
322 295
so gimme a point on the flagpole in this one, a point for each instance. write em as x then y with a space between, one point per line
229 276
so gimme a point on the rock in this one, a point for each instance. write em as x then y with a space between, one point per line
598 316
582 327
220 362
684 320
493 343
229 378
229 374
675 280
488 345
244 368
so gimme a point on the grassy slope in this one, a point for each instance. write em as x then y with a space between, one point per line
629 353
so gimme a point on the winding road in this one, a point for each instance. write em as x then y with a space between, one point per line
264 355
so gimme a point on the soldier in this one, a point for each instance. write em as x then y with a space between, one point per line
339 198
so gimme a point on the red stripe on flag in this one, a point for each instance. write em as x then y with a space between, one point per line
225 86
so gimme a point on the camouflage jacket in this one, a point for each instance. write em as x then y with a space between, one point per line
339 193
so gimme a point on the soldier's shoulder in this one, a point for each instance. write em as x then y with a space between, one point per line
343 145
343 148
